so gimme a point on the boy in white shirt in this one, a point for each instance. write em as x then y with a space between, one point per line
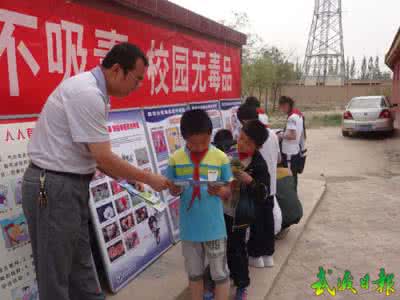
293 136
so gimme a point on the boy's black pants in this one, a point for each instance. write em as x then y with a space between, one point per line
238 259
262 234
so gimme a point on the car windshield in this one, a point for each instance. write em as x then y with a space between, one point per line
365 103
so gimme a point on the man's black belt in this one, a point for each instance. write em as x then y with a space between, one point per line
66 174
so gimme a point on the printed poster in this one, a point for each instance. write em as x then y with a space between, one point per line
131 232
212 108
17 274
229 116
163 130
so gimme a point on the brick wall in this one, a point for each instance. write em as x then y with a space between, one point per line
334 97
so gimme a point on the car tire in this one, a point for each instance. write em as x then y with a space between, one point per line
345 133
389 133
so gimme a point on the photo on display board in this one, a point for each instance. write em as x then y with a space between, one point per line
4 194
160 145
136 200
142 157
228 123
216 122
173 139
17 186
111 232
154 228
132 240
98 175
116 251
105 212
116 188
129 157
141 214
28 291
122 204
174 210
100 192
127 222
15 231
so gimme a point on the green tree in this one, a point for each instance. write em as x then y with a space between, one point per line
364 69
347 73
353 70
377 69
371 68
298 70
386 75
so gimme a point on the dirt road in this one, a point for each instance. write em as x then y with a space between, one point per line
356 225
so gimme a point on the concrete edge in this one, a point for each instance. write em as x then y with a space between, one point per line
306 222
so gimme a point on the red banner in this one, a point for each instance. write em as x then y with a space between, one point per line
44 42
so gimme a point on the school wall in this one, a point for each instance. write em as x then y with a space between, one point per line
334 97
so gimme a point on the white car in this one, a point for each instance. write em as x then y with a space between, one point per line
368 114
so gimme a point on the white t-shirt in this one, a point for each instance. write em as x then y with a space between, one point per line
271 153
292 147
74 115
263 118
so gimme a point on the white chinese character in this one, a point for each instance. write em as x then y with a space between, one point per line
158 67
180 69
227 75
73 50
215 67
7 42
199 68
107 40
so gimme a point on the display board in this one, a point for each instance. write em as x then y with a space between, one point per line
131 233
45 43
17 275
213 110
229 115
163 130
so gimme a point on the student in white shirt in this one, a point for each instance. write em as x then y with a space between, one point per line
293 137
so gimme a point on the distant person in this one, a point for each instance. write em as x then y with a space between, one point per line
70 141
254 102
202 225
292 138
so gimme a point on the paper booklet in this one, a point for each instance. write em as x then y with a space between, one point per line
147 196
189 182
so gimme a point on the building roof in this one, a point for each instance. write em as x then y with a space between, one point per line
394 52
177 15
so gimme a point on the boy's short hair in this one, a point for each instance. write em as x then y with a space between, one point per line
247 112
253 101
223 140
256 131
286 100
195 122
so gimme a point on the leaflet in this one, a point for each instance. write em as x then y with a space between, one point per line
146 196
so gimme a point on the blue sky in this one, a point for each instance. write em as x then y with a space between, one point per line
369 25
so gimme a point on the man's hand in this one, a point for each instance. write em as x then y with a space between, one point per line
175 190
222 191
158 183
139 186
